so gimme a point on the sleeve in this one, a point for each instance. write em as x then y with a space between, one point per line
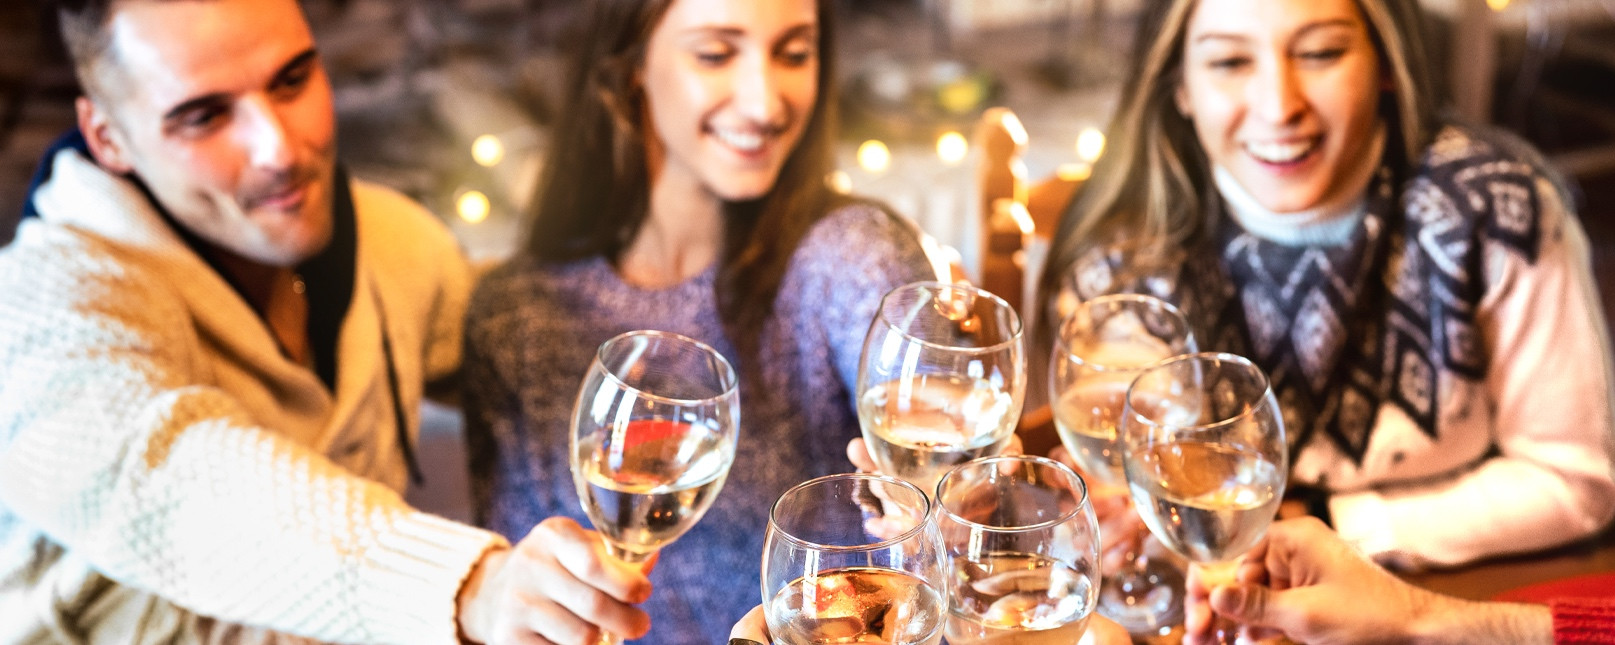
1551 388
859 254
110 446
1583 621
487 398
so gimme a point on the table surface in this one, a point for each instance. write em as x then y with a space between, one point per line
1484 580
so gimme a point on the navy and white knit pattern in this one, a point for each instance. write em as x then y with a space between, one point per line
533 329
1342 329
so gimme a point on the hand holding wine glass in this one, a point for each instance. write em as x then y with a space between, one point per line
653 436
1205 455
941 379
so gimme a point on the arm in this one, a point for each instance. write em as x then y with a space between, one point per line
1304 581
1550 385
113 445
854 257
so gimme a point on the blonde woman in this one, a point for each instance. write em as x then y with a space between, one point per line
1419 292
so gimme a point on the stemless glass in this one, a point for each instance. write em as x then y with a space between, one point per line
852 558
1205 456
1099 349
1021 549
653 435
941 380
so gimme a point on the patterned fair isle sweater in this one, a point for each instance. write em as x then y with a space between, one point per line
532 331
168 476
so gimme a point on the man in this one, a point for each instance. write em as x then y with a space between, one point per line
212 347
1304 581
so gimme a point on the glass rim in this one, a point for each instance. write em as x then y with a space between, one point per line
773 512
1251 406
1082 497
1064 348
730 378
1015 316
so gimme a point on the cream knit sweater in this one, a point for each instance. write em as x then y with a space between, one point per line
167 475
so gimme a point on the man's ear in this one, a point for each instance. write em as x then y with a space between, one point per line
96 125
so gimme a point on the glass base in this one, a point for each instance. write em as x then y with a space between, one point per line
1147 601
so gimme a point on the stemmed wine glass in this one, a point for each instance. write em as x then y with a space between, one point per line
941 379
1099 349
852 558
1205 456
1021 549
653 435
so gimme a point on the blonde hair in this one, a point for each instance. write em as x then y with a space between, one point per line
1148 196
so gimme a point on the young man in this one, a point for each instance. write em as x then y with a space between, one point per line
212 347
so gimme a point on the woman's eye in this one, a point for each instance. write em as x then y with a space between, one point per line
713 57
1228 62
1323 55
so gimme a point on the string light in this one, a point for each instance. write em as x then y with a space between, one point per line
487 150
1497 5
874 157
473 206
1090 144
839 181
952 148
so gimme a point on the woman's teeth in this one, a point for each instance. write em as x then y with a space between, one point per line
1280 152
742 141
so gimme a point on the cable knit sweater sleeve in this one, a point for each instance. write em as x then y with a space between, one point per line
1550 387
109 446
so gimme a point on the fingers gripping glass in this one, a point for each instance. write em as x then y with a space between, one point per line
653 436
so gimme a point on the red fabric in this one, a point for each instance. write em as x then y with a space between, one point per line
1595 585
1584 621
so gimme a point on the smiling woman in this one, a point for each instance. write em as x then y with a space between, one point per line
1414 289
688 195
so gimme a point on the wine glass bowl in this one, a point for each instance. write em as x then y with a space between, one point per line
1206 458
828 578
941 379
1021 551
653 436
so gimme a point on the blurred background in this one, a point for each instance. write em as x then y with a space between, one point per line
449 101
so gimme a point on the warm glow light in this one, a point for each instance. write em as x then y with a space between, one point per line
874 157
1090 144
473 206
839 181
1497 5
952 148
1073 171
487 150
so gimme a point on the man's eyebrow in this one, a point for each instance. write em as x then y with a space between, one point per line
302 59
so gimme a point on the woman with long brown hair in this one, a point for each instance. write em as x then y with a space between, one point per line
1419 292
686 192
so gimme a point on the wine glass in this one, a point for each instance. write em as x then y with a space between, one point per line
653 435
941 379
1099 349
1205 456
852 558
1021 550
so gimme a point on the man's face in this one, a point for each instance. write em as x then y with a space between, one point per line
222 109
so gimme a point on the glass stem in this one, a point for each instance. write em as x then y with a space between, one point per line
637 558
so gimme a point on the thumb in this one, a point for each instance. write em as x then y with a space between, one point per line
1246 604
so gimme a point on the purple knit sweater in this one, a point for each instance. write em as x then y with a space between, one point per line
532 331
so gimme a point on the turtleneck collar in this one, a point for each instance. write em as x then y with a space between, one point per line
1328 223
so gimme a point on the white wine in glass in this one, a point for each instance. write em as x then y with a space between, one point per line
833 574
653 436
1205 455
1022 548
1100 348
941 379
